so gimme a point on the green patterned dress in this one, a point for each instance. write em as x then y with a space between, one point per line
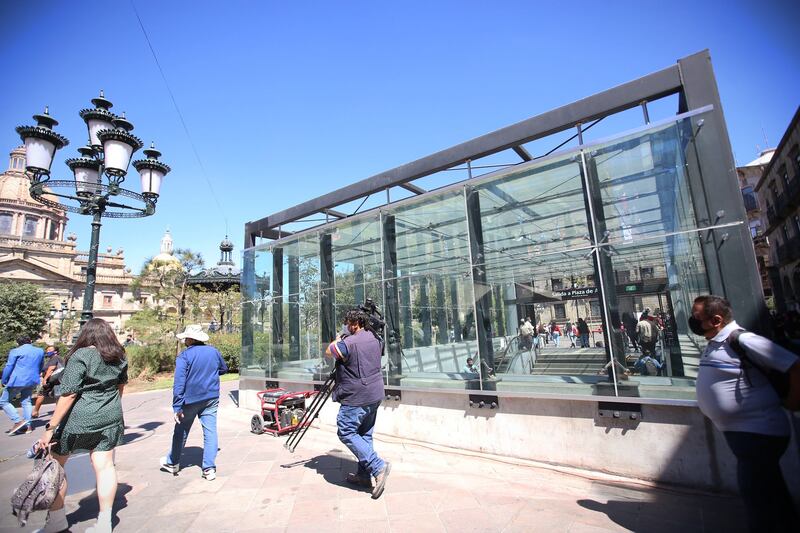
95 422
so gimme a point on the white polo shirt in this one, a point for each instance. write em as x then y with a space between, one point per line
733 401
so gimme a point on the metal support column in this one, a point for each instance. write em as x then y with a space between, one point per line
294 306
277 303
736 274
358 279
454 309
327 318
440 311
405 312
392 307
482 290
251 293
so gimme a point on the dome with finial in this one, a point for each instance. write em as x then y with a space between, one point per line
165 256
222 276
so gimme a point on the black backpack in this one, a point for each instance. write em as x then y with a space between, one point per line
778 380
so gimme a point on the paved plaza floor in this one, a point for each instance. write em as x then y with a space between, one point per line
262 487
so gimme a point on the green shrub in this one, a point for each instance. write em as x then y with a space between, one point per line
145 361
6 347
230 346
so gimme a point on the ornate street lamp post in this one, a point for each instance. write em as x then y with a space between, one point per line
61 314
108 153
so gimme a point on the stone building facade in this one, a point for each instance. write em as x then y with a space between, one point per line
35 248
749 176
779 194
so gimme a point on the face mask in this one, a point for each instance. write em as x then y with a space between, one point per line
697 327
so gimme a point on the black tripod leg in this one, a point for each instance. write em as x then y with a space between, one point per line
311 413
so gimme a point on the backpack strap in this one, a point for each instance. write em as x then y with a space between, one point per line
733 342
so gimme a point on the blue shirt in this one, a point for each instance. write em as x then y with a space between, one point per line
24 366
197 371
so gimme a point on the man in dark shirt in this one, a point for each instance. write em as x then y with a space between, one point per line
359 388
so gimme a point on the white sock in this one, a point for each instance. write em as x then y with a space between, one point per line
104 521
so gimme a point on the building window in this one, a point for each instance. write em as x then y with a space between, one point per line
623 276
785 176
785 229
29 230
557 284
107 300
560 310
53 231
646 273
749 198
6 223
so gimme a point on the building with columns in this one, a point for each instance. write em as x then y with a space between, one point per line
35 248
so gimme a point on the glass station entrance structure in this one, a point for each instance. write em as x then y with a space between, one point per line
647 219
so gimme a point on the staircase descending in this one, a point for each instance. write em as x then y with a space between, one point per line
566 362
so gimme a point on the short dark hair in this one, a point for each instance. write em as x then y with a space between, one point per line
23 339
356 316
715 305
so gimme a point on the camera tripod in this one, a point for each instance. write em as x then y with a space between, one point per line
311 412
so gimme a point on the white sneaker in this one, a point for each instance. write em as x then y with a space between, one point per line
210 474
167 467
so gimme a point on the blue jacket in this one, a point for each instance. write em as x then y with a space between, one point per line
197 371
24 366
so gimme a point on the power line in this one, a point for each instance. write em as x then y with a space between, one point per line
180 116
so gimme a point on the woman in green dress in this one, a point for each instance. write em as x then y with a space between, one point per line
90 415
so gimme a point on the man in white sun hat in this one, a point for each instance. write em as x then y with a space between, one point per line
195 394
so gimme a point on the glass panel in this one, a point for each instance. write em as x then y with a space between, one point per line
652 253
256 308
456 273
539 269
435 314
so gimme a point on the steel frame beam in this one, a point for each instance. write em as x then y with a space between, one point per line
628 95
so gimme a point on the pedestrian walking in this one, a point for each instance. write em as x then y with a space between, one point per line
20 376
88 416
583 332
742 403
195 394
647 333
359 390
51 376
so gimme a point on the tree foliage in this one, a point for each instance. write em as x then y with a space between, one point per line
24 310
170 283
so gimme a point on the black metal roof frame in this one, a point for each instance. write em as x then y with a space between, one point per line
626 96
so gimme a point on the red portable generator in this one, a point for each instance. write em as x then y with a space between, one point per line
281 411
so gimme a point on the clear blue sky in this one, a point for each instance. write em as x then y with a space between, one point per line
288 100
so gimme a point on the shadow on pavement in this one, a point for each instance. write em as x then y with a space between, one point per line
88 507
140 432
334 467
192 456
623 513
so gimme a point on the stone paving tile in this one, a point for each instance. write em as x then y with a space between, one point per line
421 523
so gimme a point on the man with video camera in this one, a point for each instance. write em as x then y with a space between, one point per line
359 390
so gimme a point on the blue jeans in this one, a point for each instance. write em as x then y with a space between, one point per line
10 410
355 431
206 411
